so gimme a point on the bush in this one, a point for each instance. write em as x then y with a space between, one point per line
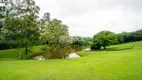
7 45
104 39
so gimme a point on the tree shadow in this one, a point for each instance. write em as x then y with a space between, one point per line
116 48
121 48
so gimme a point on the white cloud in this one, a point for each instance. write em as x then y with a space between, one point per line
87 17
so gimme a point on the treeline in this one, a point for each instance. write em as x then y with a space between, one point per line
107 38
125 37
81 41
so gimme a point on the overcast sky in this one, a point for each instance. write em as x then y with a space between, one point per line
87 17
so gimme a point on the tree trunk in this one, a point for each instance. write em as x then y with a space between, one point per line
104 47
63 56
62 53
26 48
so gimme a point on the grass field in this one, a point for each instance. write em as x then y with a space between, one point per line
119 62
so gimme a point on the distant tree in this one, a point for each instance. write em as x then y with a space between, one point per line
127 36
120 38
136 35
104 38
64 41
87 41
77 40
81 41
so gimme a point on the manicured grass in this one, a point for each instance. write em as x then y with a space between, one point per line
13 54
120 64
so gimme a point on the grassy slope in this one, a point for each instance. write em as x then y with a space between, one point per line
13 54
94 65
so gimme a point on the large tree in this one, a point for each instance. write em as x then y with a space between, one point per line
3 4
104 38
53 32
1 21
43 26
21 23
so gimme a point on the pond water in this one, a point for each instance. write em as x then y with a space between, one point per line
54 53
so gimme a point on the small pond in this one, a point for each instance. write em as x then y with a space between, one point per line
54 53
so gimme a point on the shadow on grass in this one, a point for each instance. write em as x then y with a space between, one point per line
121 48
114 49
117 48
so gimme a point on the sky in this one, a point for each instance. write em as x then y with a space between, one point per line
88 17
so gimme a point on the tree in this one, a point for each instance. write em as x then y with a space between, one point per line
104 38
127 36
21 23
1 22
53 32
120 38
136 35
77 40
64 41
43 25
81 41
2 16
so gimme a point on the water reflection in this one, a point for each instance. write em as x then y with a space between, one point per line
53 53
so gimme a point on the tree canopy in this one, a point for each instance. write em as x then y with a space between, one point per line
103 39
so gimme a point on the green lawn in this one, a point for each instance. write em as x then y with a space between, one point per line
120 62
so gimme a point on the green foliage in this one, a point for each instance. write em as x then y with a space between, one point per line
54 30
120 38
104 38
126 37
21 23
64 41
43 25
136 36
129 36
81 41
8 45
55 33
77 40
2 10
95 46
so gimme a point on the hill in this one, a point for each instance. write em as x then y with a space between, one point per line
119 62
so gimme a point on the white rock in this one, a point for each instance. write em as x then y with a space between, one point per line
39 58
87 49
73 55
